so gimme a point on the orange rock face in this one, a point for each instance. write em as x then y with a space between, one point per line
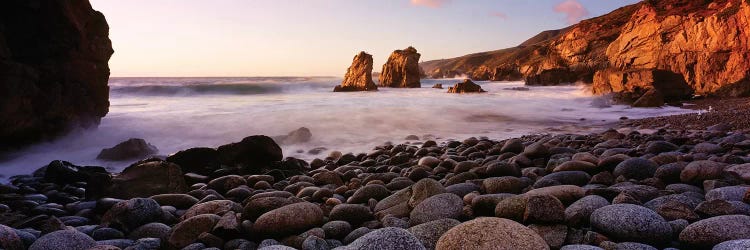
710 48
359 76
401 70
678 47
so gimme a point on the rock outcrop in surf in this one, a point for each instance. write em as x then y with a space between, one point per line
359 75
401 70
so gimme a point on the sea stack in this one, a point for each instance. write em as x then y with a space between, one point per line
401 70
53 69
467 86
359 76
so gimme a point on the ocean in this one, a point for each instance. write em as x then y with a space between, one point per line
179 113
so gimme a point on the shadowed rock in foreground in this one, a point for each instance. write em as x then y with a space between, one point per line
359 75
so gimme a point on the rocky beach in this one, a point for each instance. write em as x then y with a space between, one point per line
616 189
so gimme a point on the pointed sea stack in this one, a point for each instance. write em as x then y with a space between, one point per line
467 86
359 76
401 70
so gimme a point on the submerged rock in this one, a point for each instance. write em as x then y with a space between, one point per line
359 75
300 135
130 149
467 86
401 70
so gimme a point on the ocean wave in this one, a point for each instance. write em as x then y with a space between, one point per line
236 87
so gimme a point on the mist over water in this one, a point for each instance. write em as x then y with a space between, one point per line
179 113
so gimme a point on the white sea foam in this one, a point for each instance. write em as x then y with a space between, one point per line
214 111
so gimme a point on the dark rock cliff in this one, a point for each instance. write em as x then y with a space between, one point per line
53 69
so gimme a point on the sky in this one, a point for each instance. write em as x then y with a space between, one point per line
318 37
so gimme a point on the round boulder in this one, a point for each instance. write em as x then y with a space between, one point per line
181 201
429 233
352 213
423 189
709 232
132 213
9 239
733 244
543 209
505 184
289 219
64 239
699 171
217 207
567 194
442 206
636 168
627 222
373 191
488 233
187 231
386 238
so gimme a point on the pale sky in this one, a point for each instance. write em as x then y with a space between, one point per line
318 37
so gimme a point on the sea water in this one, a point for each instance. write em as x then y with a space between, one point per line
179 113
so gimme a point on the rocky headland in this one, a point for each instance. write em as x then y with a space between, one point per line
53 69
401 70
676 48
617 189
358 76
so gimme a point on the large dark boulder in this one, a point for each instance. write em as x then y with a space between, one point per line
202 161
257 151
63 172
53 69
148 178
